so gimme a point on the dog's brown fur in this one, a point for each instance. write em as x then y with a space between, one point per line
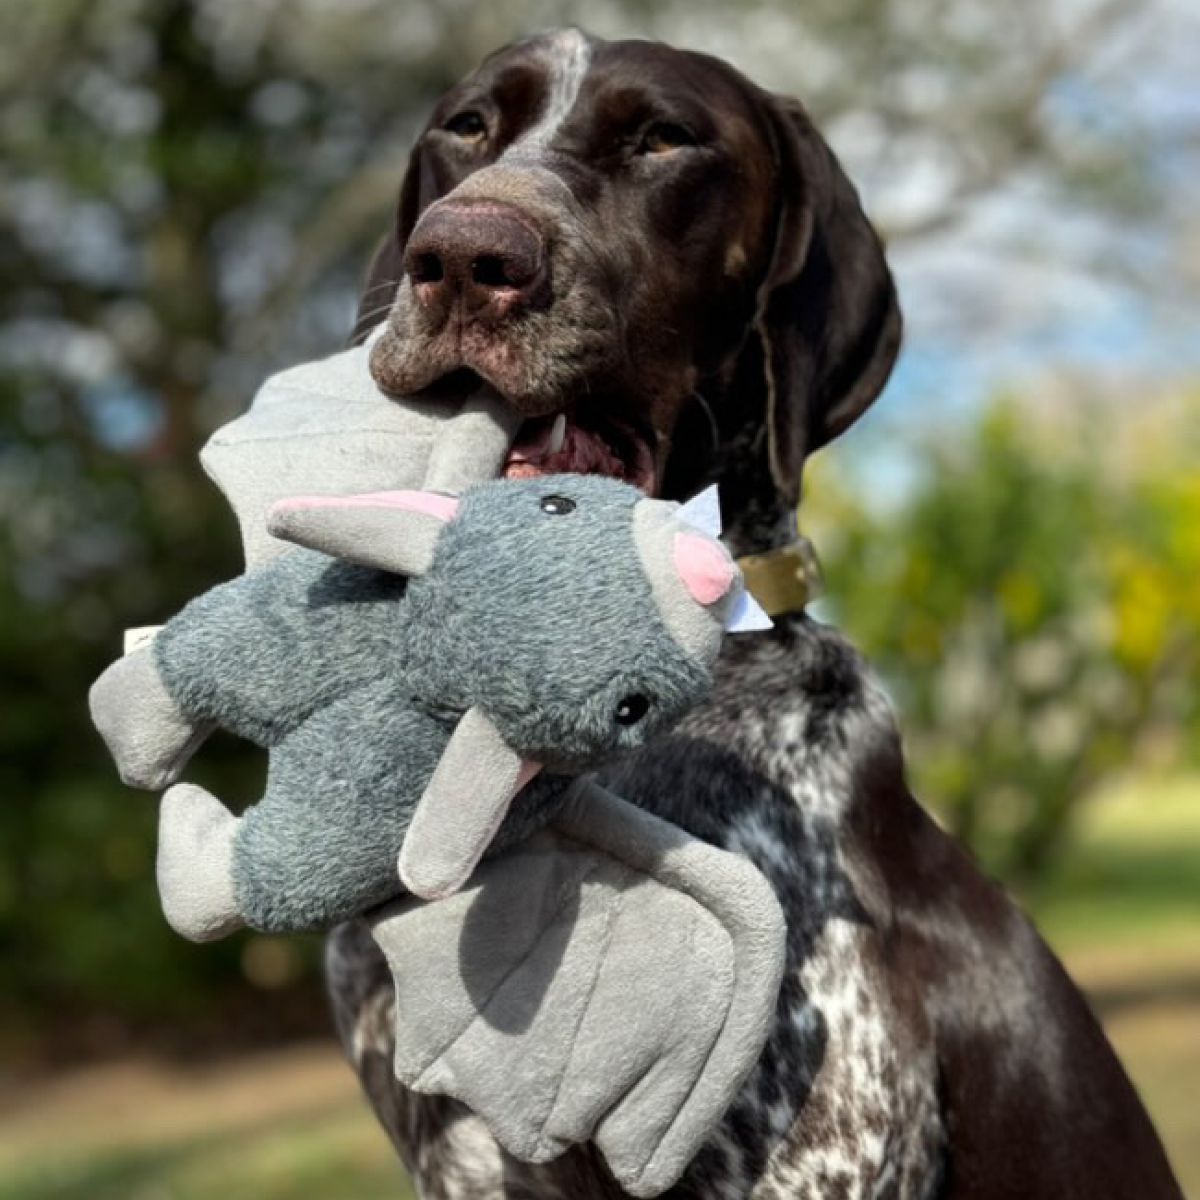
926 1043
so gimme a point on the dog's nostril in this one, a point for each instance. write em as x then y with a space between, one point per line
480 255
427 268
489 270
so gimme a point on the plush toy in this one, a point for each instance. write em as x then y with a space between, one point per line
447 652
603 975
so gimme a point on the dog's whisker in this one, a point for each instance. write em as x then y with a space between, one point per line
376 312
386 283
714 429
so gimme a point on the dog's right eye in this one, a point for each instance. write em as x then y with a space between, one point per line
469 126
664 136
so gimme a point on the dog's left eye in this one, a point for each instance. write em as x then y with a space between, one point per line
469 126
664 136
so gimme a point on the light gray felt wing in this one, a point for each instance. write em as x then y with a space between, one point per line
612 979
325 427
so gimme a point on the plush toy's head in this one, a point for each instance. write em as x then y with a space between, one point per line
570 617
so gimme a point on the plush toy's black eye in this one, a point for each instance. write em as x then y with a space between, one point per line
558 506
631 709
469 126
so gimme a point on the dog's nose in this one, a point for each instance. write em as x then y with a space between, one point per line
486 256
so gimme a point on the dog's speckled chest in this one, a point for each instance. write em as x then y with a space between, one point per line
842 1102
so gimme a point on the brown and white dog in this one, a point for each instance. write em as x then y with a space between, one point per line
642 240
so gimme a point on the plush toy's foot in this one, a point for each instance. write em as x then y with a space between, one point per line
148 737
195 864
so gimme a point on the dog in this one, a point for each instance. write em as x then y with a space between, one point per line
645 242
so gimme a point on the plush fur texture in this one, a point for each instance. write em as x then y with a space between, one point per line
356 679
502 626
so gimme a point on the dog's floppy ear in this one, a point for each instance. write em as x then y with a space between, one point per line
387 267
827 310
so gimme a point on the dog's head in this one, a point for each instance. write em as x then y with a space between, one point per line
641 239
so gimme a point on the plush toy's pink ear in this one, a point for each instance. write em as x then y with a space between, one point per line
394 531
704 566
433 504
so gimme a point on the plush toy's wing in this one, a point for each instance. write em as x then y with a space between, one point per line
611 979
325 427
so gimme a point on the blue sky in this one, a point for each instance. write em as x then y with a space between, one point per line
1031 281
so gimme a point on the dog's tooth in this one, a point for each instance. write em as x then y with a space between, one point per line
558 434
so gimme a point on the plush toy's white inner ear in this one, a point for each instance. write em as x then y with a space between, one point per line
746 615
703 512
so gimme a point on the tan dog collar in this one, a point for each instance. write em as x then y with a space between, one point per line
784 580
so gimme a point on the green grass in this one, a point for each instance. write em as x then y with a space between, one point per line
1123 909
1131 876
340 1154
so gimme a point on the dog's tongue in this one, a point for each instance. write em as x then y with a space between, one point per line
562 447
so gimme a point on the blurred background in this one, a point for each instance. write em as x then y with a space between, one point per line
188 196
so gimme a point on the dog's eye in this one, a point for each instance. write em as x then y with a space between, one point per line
469 126
558 506
664 136
631 709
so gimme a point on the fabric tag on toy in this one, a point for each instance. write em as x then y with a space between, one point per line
142 636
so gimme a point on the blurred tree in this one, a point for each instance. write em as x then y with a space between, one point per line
149 176
188 192
1032 606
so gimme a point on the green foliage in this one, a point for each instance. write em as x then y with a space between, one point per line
1032 607
1130 884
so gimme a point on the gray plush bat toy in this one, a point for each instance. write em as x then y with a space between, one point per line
608 978
410 686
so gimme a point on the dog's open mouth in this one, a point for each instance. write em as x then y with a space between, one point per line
583 445
578 440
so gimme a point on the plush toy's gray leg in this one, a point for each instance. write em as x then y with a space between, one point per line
321 845
303 870
148 737
195 864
